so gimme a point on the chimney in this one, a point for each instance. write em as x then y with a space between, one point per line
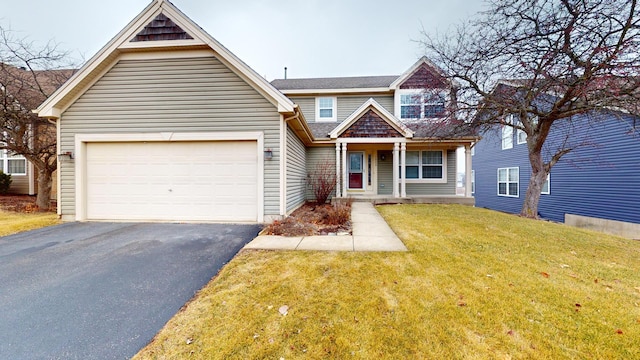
285 72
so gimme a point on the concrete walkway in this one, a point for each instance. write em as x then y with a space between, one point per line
370 233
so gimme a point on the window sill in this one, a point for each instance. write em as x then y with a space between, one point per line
510 196
426 181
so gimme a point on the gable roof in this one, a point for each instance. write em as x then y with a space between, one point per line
423 61
150 31
29 88
330 83
371 104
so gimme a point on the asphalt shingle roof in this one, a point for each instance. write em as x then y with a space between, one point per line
356 82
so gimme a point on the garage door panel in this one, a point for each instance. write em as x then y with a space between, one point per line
172 181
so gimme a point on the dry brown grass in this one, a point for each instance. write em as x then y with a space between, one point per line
476 284
11 223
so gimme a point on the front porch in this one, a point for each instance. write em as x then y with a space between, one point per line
416 199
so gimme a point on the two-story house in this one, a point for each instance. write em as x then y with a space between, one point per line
375 129
597 185
166 124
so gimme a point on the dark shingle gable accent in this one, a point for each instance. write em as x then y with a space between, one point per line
424 78
370 125
161 28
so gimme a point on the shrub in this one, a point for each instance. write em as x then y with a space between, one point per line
5 182
339 214
323 180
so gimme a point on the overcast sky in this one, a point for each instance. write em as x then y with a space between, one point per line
312 38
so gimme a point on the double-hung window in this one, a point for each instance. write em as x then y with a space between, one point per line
421 104
433 105
546 187
508 181
410 106
326 108
425 165
12 164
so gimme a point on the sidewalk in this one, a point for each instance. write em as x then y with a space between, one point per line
370 233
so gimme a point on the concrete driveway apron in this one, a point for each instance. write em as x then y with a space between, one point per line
103 290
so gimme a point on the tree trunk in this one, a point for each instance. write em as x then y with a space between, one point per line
536 181
43 200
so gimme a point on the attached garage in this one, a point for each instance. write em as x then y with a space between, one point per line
165 124
142 180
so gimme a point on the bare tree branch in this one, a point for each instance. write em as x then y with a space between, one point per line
546 62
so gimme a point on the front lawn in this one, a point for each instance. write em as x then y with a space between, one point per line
13 222
475 284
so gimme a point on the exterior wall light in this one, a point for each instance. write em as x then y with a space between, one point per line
65 156
268 154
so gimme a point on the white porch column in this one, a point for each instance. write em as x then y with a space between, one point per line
396 163
344 170
338 174
403 173
467 170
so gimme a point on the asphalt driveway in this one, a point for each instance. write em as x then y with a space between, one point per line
103 290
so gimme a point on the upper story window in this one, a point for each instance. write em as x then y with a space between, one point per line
326 108
507 133
12 164
420 104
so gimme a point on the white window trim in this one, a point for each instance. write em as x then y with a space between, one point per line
519 132
4 163
334 111
442 180
421 92
507 132
548 181
473 181
507 182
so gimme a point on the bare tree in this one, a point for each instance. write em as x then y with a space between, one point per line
28 75
544 62
322 180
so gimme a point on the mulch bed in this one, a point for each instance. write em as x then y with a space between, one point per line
19 203
313 219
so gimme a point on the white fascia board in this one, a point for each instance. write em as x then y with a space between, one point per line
335 91
283 103
46 109
121 42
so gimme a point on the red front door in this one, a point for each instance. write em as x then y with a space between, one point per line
356 170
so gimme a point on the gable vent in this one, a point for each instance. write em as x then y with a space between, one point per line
161 28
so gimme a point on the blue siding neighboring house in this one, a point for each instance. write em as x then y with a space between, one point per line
600 179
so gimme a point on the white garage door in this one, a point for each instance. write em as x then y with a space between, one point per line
173 181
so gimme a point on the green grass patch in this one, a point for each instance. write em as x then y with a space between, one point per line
11 223
476 284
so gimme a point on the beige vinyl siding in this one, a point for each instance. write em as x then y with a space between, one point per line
296 171
316 155
347 104
171 95
307 106
19 183
438 189
385 173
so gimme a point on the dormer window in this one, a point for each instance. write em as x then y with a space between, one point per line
421 104
326 109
